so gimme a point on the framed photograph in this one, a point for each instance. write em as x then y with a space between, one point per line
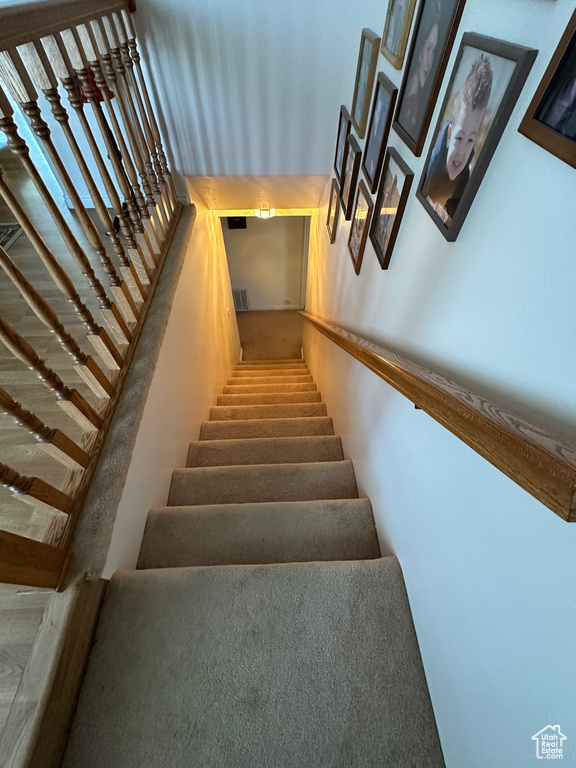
378 130
396 30
436 25
343 130
333 209
365 71
360 226
352 158
484 86
550 120
390 204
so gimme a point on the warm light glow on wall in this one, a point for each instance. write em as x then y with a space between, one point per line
279 211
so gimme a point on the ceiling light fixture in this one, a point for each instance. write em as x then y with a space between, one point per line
265 213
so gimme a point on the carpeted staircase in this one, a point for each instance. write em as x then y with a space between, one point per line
262 629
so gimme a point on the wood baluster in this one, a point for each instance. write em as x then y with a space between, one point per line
98 337
118 45
70 400
125 172
21 89
53 441
35 491
163 163
102 75
113 64
58 62
86 367
26 561
41 72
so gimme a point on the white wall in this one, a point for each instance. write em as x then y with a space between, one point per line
490 571
200 348
266 258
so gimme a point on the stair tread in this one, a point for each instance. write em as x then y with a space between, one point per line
265 398
280 372
265 450
256 666
268 532
235 381
267 411
248 428
308 386
273 360
263 482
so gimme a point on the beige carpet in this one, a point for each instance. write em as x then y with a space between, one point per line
263 629
274 335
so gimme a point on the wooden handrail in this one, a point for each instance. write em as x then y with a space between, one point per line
542 464
19 24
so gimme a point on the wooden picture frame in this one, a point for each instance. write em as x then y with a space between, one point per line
378 129
397 30
360 225
434 32
365 71
550 120
352 159
484 86
390 204
333 210
344 124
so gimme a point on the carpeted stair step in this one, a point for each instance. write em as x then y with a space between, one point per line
263 398
271 411
232 430
283 361
263 482
271 532
255 388
264 450
296 366
269 666
269 380
290 373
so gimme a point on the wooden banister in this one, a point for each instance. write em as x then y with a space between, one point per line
90 49
542 464
18 24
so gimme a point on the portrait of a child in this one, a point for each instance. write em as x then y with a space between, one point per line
448 169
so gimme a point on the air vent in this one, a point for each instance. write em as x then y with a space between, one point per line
241 303
236 222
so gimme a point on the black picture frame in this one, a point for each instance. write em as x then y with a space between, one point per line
365 72
471 122
350 171
360 225
344 124
333 211
378 129
434 32
550 120
390 205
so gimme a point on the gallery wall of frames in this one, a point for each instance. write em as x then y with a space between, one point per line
372 185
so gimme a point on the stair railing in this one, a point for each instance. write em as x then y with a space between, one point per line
542 464
71 73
